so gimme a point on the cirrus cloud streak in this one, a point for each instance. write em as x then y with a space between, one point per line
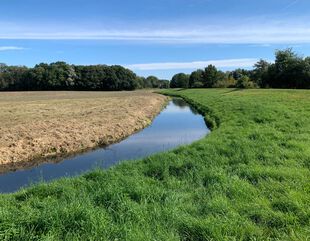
224 63
295 31
8 48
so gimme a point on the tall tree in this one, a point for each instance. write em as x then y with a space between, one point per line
289 70
210 76
260 73
196 79
180 80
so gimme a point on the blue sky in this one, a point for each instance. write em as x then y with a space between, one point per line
158 37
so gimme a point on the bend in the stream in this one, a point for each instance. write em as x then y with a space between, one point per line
177 124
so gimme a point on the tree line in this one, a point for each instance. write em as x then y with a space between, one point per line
62 76
288 71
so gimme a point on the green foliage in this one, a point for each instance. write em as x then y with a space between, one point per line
62 76
260 73
179 81
244 82
238 73
154 82
289 71
196 79
247 180
211 76
226 82
13 76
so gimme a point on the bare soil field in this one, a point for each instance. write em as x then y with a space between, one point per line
39 125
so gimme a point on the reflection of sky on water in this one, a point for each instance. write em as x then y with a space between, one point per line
168 137
178 124
172 109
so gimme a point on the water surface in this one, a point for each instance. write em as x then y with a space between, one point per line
178 124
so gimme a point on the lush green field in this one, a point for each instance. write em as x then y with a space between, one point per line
248 180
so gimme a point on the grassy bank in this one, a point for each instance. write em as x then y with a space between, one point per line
247 180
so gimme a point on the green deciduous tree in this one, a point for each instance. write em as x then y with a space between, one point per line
180 80
260 73
212 76
196 79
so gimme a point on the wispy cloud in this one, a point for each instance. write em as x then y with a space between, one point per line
250 35
224 63
228 32
291 4
8 48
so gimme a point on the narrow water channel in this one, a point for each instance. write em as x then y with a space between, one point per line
178 124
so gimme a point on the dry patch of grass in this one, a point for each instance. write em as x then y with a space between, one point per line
36 125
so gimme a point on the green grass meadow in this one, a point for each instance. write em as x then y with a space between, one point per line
249 179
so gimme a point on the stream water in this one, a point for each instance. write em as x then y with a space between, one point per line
177 124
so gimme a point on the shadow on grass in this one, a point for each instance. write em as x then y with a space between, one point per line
181 89
233 90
